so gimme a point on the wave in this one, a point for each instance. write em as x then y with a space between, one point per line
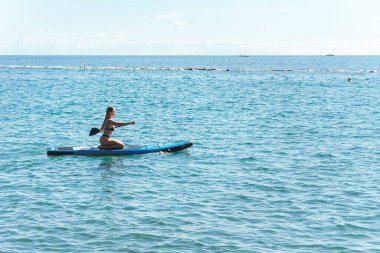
185 69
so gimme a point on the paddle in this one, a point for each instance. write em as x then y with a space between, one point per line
94 131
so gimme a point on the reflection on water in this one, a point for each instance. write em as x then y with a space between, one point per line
108 162
109 165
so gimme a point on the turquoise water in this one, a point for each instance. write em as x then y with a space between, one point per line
285 158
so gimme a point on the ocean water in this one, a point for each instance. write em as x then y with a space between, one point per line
286 154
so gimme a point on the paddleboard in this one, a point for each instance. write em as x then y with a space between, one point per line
128 150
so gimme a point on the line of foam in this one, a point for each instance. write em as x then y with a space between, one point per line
184 69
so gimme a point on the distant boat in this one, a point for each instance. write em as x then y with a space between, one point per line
243 55
330 55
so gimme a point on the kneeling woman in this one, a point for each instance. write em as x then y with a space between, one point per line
108 126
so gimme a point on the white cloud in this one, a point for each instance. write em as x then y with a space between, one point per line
165 16
121 43
96 36
179 24
168 21
57 35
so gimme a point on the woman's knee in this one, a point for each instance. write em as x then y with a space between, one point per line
118 143
122 145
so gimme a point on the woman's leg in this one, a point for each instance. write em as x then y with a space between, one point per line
108 143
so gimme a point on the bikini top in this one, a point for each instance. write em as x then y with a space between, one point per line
108 131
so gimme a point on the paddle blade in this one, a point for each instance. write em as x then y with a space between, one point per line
94 131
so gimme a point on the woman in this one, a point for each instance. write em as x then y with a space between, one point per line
108 126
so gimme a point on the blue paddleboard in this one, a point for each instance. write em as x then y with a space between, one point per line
128 150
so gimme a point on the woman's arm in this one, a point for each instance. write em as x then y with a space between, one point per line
119 124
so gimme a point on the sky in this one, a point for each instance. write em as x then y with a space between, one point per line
191 27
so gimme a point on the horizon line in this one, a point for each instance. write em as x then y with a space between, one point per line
235 55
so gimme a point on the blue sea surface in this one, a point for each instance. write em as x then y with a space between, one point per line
286 154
